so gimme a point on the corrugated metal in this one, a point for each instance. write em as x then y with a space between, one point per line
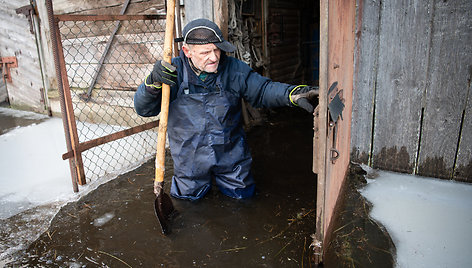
17 40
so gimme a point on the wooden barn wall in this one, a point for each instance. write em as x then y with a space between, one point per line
449 74
3 90
102 7
87 42
411 106
29 79
17 41
283 33
108 78
365 64
85 7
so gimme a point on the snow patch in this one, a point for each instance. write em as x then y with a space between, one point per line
428 219
22 114
35 182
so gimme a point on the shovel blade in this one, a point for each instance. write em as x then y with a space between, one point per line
164 208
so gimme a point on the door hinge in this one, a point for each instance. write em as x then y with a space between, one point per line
28 11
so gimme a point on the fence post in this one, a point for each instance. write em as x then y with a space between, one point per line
79 164
68 120
65 122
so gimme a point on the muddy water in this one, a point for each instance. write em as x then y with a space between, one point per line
10 122
355 239
115 225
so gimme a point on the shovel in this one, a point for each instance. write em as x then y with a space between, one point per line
163 204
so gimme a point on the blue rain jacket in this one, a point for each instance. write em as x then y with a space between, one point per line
205 127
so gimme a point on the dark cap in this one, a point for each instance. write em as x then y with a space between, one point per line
203 31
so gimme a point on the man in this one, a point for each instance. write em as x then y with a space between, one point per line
204 126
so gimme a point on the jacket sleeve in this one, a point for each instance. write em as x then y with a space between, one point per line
145 103
149 104
260 91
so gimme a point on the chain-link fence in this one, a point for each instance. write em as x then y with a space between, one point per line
106 58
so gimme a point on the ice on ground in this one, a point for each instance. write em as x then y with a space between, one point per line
22 114
33 171
35 182
428 219
103 219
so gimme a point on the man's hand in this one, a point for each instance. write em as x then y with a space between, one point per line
158 187
162 73
302 95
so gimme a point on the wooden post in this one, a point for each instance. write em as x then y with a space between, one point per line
69 109
220 15
167 56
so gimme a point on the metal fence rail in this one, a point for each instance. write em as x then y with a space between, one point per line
102 60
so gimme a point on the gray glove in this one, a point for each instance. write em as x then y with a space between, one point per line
302 95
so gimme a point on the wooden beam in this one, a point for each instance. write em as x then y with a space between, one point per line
320 140
220 15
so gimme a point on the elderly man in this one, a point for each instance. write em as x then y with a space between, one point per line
204 126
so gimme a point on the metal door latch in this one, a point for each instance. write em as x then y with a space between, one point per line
335 108
7 63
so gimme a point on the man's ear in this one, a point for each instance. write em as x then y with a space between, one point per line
186 50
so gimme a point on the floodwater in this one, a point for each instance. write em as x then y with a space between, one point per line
356 240
115 225
10 122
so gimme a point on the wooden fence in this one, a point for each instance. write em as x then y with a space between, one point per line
411 101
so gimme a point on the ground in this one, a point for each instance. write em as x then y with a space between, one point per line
357 240
115 225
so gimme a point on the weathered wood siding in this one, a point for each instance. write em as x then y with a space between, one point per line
16 40
129 57
284 41
463 167
365 63
450 61
29 80
412 84
402 59
3 89
102 7
133 51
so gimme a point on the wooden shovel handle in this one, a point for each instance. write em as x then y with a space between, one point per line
161 134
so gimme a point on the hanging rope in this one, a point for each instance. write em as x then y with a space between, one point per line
242 33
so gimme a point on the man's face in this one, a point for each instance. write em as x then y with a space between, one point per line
204 57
